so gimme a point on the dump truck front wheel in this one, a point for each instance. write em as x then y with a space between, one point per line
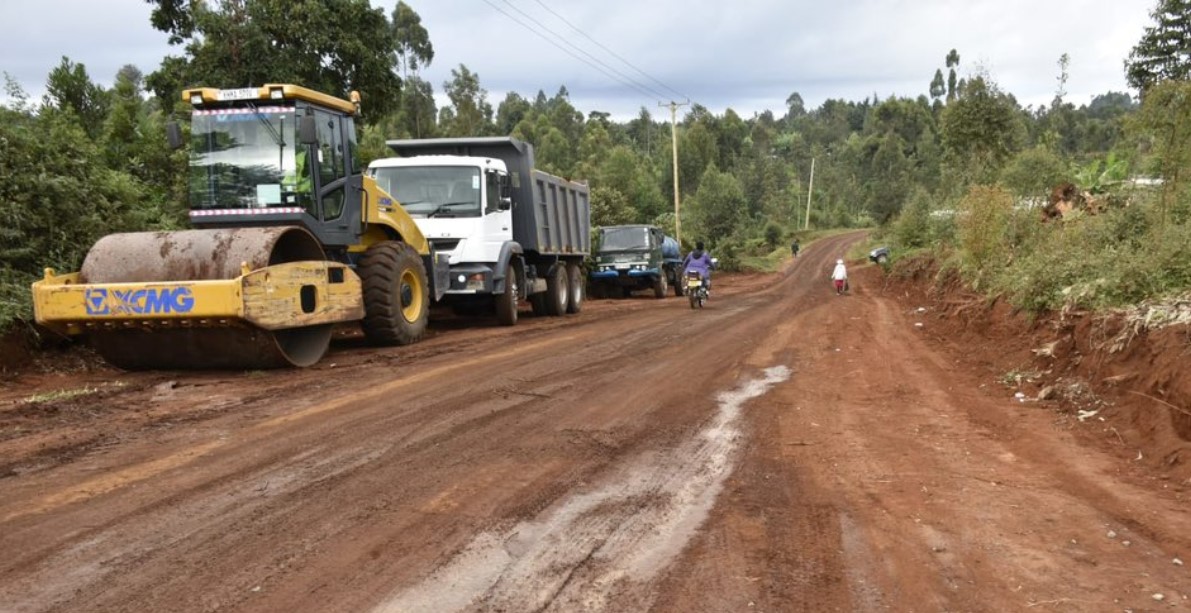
506 301
396 294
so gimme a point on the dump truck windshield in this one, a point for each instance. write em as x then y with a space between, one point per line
433 191
624 239
247 158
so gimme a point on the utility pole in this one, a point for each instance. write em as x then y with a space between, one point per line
674 149
809 189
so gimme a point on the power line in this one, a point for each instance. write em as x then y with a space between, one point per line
646 92
625 78
611 52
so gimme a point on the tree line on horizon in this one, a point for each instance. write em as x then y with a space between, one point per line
85 160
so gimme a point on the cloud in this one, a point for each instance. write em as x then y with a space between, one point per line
748 55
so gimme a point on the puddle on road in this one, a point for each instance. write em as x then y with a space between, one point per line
597 550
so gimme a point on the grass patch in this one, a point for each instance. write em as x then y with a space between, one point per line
59 395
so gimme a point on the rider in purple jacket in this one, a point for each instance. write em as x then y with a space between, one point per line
699 260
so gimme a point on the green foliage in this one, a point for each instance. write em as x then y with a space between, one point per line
773 234
1164 123
610 207
980 130
1033 173
413 41
57 198
1118 258
69 90
1099 174
714 213
983 232
470 114
332 46
912 229
1161 54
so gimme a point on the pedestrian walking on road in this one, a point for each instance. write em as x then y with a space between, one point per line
794 247
840 277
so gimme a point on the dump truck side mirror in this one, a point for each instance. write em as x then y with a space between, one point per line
506 193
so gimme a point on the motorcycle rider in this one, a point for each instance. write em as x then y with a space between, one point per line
700 261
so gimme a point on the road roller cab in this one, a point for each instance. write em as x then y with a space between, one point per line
290 239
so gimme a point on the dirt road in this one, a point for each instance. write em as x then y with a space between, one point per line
783 449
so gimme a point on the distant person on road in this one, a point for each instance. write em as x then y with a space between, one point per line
699 260
840 277
794 247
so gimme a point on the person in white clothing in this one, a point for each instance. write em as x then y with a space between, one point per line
840 276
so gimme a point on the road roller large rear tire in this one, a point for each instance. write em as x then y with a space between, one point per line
396 294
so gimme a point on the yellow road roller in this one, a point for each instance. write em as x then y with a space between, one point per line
289 239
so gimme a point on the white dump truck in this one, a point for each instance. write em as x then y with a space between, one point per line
511 232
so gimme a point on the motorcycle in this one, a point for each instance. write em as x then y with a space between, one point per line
695 290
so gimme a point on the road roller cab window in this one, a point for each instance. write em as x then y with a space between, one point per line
245 158
331 159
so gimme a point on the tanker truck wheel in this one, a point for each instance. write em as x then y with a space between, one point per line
506 302
396 294
575 293
659 286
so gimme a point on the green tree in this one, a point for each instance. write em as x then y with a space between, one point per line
952 63
1164 51
554 152
121 126
333 46
413 41
1165 122
416 117
983 231
470 114
980 131
889 181
795 109
937 87
912 227
510 112
609 207
1033 173
714 213
69 89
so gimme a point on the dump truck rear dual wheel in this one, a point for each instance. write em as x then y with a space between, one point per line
557 290
659 286
575 293
396 294
678 284
506 301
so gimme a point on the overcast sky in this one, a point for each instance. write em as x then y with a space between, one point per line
749 55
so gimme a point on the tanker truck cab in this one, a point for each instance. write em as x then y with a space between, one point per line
461 205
